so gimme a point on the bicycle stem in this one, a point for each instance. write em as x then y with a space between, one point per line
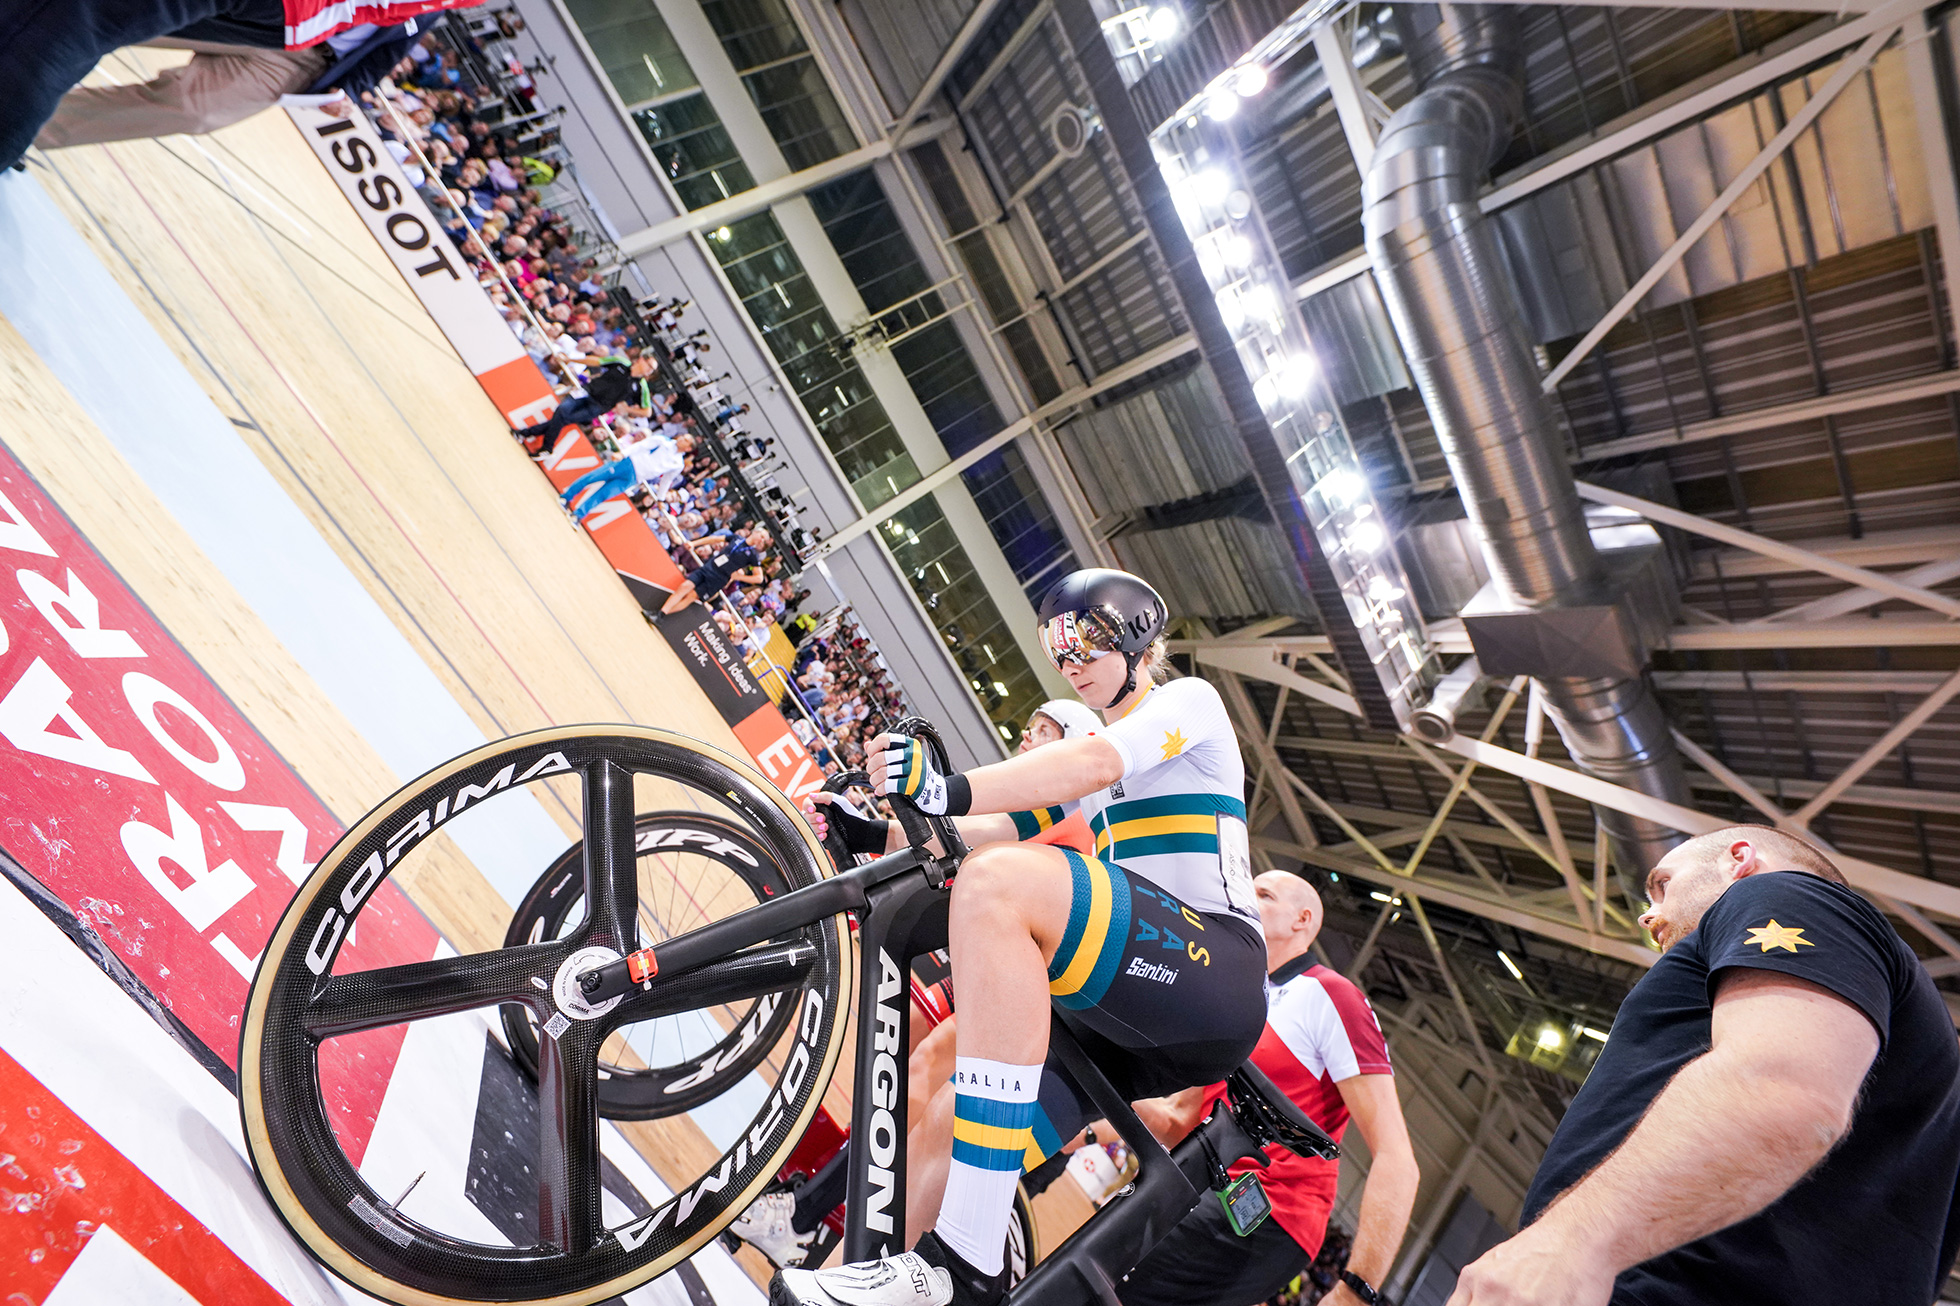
845 891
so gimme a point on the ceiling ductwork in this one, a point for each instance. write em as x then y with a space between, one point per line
1558 607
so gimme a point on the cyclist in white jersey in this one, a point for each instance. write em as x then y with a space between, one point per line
1150 952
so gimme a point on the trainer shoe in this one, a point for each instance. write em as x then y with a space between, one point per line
931 1274
766 1227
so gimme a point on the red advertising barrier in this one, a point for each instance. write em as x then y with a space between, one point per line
66 1187
142 799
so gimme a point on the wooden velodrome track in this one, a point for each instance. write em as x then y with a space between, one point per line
246 259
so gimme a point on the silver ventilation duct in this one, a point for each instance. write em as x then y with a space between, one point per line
1557 608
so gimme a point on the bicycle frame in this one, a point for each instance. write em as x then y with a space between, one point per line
901 902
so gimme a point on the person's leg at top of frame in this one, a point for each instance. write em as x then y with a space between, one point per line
221 85
46 49
1154 963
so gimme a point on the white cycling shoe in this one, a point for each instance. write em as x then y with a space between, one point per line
931 1275
766 1227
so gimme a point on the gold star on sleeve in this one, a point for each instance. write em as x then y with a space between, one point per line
1174 742
1773 935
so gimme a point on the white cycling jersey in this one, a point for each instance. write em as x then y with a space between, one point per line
1177 815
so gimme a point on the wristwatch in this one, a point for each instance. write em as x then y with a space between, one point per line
1360 1287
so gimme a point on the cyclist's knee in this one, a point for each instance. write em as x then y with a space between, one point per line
991 877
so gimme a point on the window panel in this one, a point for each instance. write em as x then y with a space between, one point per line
694 150
634 48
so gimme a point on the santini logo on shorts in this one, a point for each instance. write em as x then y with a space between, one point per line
1150 970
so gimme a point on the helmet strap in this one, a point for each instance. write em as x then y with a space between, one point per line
1130 661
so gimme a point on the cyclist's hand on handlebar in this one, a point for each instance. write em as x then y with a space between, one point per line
903 766
867 838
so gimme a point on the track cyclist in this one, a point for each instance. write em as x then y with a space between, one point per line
1150 952
783 1224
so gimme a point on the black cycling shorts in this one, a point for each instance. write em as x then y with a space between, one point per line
1160 996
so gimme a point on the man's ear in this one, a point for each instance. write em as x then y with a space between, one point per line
1748 858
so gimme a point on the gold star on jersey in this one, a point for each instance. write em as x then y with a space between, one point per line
1773 935
1174 742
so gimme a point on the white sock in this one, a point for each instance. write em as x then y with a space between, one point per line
993 1126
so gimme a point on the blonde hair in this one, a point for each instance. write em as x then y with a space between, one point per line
1155 664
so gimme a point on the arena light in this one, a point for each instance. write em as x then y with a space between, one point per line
1165 23
1367 536
1200 159
1510 965
1598 1035
1551 1038
1250 81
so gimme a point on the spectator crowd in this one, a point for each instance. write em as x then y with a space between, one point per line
637 383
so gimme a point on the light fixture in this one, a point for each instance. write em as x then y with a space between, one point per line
1265 390
724 234
1251 80
1232 308
1383 590
1342 486
1234 249
1367 536
1208 186
1221 105
1591 1033
1510 965
1259 302
1379 896
1550 1038
1210 260
1295 374
999 688
1165 23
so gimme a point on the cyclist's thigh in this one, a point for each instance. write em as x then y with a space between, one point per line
1146 971
1202 1262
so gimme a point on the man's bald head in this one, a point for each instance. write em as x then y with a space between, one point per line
1289 915
1686 882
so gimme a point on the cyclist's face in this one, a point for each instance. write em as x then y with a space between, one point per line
1040 730
1097 680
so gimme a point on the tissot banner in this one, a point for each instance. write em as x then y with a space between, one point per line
433 267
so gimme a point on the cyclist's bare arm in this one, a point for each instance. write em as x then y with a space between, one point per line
1045 777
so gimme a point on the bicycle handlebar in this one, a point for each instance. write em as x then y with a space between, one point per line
919 827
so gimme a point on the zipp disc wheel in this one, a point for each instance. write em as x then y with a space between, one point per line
299 1002
693 868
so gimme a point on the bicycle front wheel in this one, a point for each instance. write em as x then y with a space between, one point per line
566 1254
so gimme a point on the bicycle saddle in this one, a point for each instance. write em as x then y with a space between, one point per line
1269 1116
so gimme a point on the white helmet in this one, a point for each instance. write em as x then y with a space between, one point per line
1075 719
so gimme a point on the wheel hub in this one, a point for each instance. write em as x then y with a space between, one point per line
565 990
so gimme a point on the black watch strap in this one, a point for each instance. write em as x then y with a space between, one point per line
1360 1287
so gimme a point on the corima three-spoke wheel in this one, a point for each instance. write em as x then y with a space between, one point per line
310 991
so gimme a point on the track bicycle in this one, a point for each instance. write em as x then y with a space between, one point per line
596 979
689 863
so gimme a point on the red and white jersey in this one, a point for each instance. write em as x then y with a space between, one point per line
1319 1031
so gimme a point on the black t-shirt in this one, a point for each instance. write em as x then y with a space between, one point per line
718 569
613 384
1876 1221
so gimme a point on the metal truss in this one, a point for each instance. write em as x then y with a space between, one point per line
1581 914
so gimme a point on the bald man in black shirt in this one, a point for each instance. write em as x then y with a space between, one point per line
1775 1120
